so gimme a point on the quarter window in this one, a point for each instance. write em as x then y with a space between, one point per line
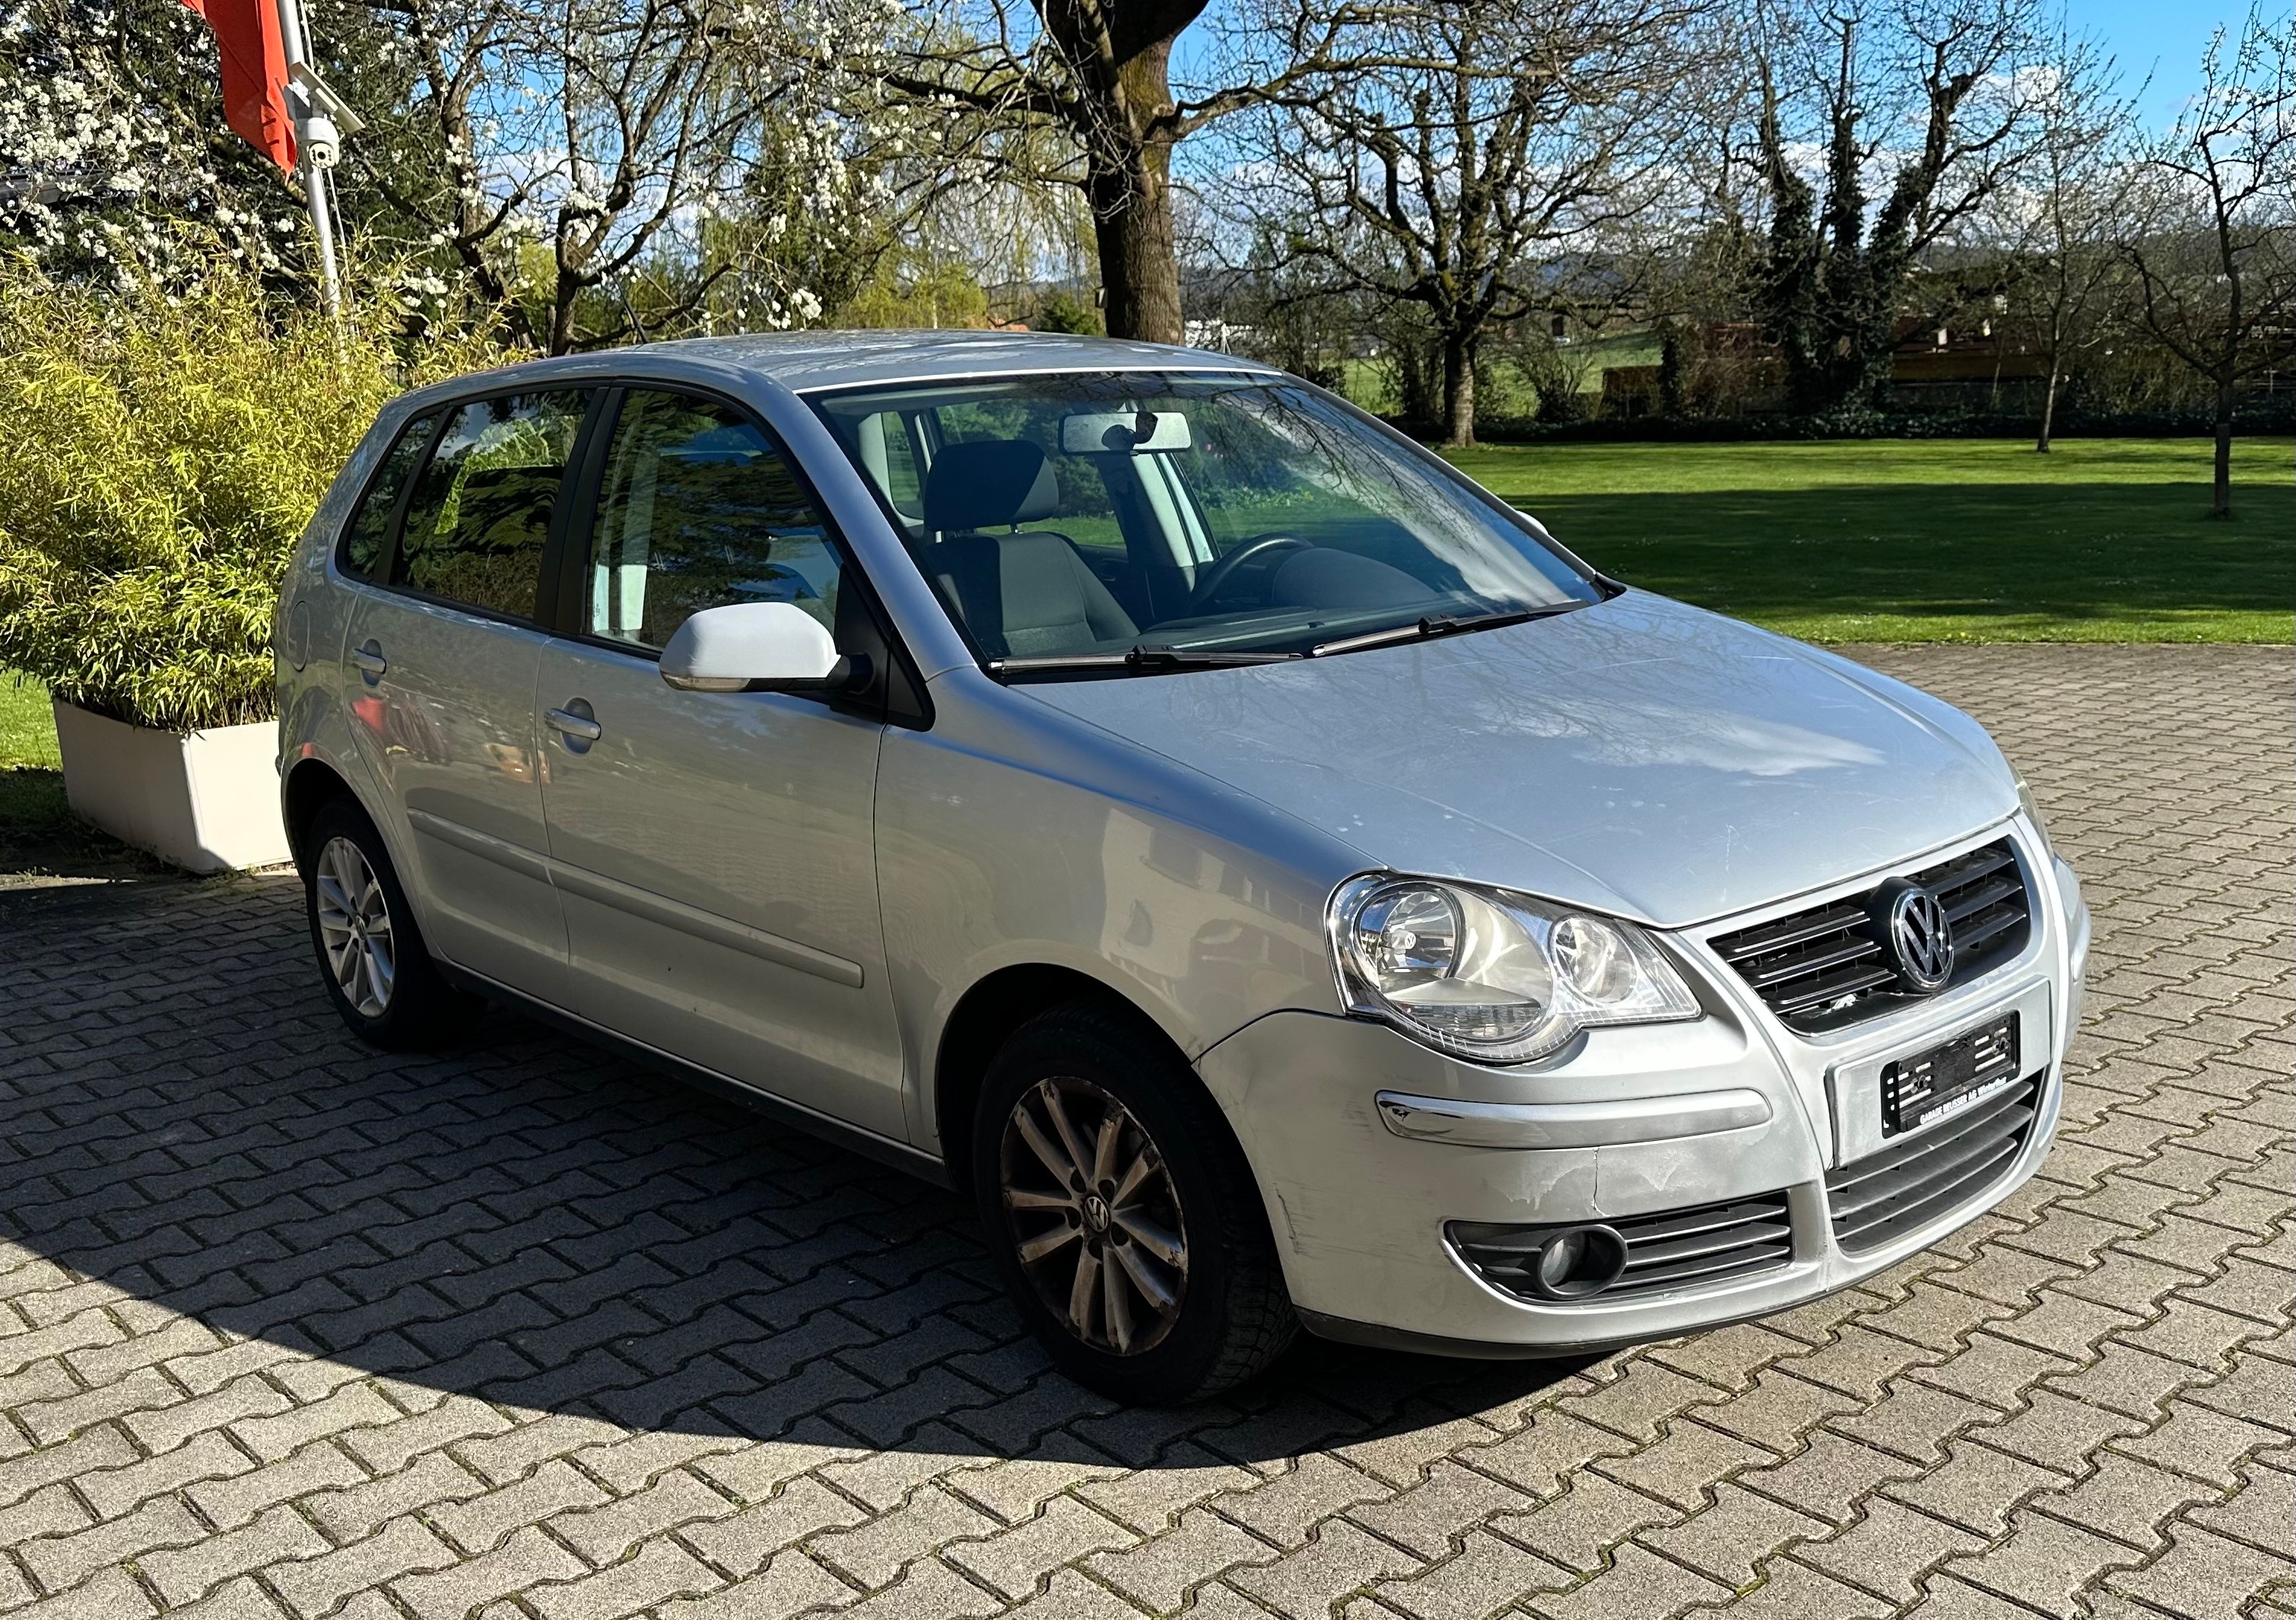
698 510
368 532
481 513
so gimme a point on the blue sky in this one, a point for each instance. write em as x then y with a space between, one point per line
2164 37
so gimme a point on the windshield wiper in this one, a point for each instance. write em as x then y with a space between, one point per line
1141 657
1440 625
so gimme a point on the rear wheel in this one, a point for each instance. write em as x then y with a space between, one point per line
370 955
1124 1217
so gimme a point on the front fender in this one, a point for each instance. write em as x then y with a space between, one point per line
1204 911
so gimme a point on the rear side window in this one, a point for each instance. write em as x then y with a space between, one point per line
480 513
368 532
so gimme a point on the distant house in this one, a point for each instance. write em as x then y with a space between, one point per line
1993 349
1730 368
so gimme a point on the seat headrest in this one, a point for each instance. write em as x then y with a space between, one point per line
990 483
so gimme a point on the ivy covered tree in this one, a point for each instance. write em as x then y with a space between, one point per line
1916 99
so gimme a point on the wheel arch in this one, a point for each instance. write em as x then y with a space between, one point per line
311 784
985 1017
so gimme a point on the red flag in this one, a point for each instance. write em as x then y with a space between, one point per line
254 74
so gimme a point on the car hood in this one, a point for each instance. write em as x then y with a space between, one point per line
1638 757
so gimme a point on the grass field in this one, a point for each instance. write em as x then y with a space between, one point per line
31 792
2103 540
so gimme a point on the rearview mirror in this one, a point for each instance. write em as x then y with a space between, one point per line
753 646
1115 433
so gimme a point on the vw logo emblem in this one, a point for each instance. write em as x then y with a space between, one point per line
1920 939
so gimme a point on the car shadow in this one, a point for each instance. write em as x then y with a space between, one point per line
190 1140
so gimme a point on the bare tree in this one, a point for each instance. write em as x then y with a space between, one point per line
587 145
1098 73
2066 213
1478 161
1921 96
2212 243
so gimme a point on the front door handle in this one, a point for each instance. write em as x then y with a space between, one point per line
574 725
370 661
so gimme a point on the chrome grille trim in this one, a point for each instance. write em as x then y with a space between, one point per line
1680 1248
1823 968
1914 1182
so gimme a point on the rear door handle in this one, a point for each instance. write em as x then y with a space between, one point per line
575 725
370 659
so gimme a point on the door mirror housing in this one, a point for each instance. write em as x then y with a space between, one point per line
754 646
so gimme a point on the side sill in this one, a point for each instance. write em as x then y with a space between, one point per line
868 1144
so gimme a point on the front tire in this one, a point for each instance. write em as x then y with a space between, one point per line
1125 1222
372 958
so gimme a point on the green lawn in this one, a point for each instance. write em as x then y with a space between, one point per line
31 790
2103 540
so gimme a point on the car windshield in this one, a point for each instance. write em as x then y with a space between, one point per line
1130 523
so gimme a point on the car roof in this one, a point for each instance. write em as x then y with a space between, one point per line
806 362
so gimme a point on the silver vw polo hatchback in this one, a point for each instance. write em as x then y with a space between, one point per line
1273 880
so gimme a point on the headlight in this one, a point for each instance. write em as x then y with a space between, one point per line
2033 814
1492 976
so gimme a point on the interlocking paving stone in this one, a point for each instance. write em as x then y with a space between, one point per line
288 1327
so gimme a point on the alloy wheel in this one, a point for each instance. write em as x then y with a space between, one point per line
354 927
1092 1212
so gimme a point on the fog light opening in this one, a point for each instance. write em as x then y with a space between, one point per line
1576 1261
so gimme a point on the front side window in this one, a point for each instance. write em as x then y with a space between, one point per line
1127 522
698 510
368 532
480 513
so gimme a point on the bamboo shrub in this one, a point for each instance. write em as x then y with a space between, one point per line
160 455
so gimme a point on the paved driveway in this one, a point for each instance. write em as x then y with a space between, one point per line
287 1326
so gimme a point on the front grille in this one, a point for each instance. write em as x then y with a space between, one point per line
1910 1183
1825 968
1678 1248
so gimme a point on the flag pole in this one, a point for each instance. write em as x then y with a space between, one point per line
317 142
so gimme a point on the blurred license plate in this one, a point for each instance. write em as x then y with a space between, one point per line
1947 1078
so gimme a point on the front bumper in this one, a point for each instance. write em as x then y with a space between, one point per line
1367 1146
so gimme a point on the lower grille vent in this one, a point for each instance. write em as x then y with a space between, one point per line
1909 1184
1682 1248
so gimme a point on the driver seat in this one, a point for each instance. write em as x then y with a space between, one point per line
1020 594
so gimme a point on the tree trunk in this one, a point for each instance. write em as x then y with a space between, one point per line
2049 396
1125 122
1131 203
561 314
2223 508
1458 392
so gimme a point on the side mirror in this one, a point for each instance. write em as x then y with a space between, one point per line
754 646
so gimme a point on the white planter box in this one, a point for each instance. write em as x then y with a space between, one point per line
206 801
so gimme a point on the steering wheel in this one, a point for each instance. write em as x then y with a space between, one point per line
1208 589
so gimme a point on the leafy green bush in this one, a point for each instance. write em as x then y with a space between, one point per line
161 457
